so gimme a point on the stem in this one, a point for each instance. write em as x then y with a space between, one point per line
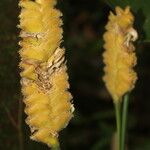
118 122
56 147
124 120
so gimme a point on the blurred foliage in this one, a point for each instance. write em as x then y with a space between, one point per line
93 125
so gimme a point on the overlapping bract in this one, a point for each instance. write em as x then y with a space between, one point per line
119 56
44 78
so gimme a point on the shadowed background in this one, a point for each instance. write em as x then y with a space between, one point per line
93 124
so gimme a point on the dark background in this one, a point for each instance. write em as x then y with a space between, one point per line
93 124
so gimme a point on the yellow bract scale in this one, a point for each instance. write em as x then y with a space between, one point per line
119 56
30 89
34 110
61 82
53 13
29 5
37 105
29 72
63 96
51 45
38 121
37 97
45 136
35 54
60 108
47 3
32 25
30 42
32 14
62 121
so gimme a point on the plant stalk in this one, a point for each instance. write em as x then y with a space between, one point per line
124 120
118 122
56 147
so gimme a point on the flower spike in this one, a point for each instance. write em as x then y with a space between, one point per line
44 72
119 56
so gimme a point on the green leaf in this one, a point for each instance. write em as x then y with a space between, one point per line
141 10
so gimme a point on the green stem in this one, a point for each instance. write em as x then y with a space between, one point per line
118 122
124 120
56 147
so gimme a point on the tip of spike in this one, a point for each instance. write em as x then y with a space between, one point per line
54 142
120 11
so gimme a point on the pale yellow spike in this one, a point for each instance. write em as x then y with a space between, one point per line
119 56
44 72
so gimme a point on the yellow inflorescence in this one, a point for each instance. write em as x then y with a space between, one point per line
119 56
44 78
